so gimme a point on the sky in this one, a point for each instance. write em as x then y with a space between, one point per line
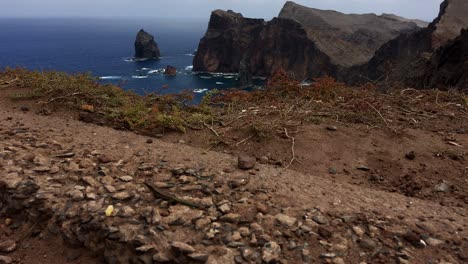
422 9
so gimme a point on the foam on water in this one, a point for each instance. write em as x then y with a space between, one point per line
110 77
140 76
200 90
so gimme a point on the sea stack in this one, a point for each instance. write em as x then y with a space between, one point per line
146 47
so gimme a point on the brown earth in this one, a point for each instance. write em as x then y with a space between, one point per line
343 169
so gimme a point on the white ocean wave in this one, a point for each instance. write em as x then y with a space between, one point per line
156 71
145 69
190 54
219 83
110 77
200 90
205 77
140 76
189 68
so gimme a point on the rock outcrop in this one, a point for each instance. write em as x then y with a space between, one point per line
404 59
228 38
349 39
305 42
146 47
170 71
449 65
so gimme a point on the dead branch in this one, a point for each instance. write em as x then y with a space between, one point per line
381 116
60 98
244 140
212 129
4 83
293 144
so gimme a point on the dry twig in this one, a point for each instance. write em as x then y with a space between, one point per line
293 145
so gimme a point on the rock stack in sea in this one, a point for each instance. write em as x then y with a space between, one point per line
146 47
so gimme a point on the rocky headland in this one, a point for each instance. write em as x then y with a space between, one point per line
309 43
146 47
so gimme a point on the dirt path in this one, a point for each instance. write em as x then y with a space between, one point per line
270 213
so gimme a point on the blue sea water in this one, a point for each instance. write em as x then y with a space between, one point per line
103 48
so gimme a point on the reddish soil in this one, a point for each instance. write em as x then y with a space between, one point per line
355 169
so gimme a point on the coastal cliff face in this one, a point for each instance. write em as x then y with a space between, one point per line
404 58
146 47
348 39
304 42
228 37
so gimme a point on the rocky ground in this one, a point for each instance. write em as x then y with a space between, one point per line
88 194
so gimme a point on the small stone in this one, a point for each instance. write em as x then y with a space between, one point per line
325 232
76 195
244 231
104 158
338 261
285 220
7 246
201 257
306 255
410 155
162 257
367 243
149 141
11 180
332 171
202 223
320 219
339 249
5 260
224 208
8 221
122 196
414 239
442 187
263 208
183 247
292 245
230 218
363 168
271 252
126 211
236 236
126 178
358 231
246 162
332 128
433 242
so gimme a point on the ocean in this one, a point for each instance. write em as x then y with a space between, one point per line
104 48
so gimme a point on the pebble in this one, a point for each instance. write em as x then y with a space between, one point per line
183 247
246 162
126 178
320 219
442 187
325 232
332 128
230 218
271 252
224 208
358 231
122 196
285 220
410 155
367 243
5 260
7 246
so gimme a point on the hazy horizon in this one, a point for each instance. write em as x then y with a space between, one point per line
201 9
